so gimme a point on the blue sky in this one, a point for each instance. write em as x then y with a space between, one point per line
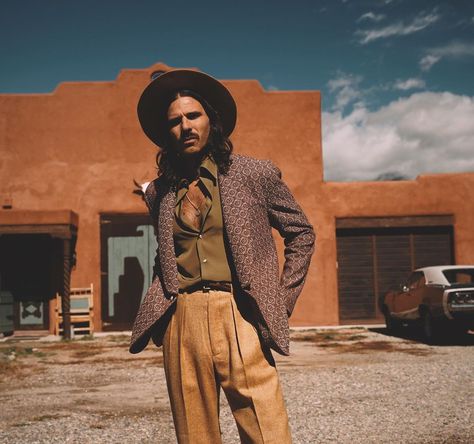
370 59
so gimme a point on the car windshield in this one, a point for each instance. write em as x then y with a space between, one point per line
459 275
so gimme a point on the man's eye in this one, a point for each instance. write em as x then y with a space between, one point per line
193 116
173 122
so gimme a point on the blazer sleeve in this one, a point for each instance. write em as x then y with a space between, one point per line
287 217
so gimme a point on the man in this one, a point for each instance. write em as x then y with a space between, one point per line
217 303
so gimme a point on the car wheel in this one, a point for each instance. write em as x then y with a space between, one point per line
429 328
457 331
392 325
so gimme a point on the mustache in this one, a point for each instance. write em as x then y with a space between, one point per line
189 136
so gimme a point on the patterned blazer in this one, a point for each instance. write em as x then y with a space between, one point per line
254 199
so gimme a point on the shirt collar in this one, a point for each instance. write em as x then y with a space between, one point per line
208 166
207 172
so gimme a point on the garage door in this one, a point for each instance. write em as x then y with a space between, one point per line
372 261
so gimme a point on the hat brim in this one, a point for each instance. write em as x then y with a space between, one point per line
155 100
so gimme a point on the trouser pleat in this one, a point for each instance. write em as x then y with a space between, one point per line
190 374
210 342
266 420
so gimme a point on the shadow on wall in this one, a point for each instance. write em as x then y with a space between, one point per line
131 284
128 253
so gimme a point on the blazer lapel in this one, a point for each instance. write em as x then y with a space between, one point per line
238 243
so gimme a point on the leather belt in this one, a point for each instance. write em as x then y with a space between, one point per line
206 287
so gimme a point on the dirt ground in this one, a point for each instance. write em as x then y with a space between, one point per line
46 382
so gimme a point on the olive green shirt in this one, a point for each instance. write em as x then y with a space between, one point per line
201 254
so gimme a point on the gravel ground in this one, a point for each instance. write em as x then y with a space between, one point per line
341 386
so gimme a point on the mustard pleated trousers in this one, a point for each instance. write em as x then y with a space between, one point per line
209 344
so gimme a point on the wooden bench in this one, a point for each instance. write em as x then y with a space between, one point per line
82 311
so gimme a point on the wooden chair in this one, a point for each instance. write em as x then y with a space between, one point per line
82 311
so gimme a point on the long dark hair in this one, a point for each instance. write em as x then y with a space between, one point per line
218 146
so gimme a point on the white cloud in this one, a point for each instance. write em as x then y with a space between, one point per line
454 50
428 61
346 88
370 16
272 88
424 133
413 83
419 23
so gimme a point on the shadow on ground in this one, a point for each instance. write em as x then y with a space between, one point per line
413 333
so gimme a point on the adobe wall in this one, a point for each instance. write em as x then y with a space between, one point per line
81 147
440 194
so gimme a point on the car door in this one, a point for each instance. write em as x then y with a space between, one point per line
407 301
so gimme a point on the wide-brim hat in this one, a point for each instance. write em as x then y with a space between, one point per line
154 102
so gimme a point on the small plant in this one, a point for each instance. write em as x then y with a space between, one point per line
328 337
89 337
47 417
356 337
118 338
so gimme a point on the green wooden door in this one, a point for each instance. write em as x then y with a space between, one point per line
128 252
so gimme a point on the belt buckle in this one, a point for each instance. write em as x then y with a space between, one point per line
206 288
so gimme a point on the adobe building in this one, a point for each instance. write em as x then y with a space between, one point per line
68 166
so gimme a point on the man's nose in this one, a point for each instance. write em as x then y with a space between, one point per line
185 124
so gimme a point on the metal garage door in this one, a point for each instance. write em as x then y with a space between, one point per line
373 260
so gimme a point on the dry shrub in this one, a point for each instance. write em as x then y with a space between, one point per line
10 369
80 354
155 360
324 336
377 346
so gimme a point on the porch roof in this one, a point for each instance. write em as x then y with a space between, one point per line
57 223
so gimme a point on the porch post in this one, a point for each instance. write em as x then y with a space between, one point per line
65 299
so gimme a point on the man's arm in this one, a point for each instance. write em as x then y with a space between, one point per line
288 218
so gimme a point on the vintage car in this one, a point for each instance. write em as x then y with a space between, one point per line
440 298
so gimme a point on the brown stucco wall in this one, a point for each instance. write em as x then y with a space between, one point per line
440 194
81 147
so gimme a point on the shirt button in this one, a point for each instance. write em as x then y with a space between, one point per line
204 260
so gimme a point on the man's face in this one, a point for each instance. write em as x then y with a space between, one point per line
188 124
